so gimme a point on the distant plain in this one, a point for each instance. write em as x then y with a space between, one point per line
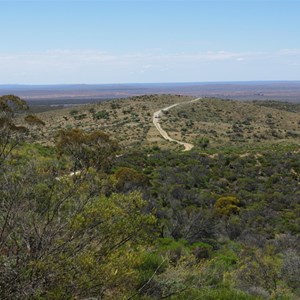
90 93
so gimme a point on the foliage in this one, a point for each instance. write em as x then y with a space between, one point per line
259 271
202 142
227 205
60 239
146 224
94 149
103 114
128 179
34 120
11 104
11 134
188 192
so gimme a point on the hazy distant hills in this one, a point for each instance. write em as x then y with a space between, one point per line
83 93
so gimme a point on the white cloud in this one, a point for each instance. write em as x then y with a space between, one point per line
93 66
289 52
67 56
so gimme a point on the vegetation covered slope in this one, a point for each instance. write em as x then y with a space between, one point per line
223 122
233 122
84 217
238 212
128 120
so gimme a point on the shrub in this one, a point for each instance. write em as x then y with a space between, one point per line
227 205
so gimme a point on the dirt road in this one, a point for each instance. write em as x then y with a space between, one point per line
164 134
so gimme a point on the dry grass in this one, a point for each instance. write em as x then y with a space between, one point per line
127 120
228 122
224 122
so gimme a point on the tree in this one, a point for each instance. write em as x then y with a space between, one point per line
60 239
259 270
10 134
87 149
202 142
129 179
227 205
11 104
34 120
63 238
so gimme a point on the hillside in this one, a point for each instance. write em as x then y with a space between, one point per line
223 122
129 120
128 215
228 122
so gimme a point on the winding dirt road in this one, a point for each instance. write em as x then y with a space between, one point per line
164 134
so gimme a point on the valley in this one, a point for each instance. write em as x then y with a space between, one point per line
150 197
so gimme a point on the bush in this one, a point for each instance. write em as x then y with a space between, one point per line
227 205
103 114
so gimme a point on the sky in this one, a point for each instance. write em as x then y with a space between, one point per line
95 41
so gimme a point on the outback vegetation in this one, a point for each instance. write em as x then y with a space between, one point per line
95 204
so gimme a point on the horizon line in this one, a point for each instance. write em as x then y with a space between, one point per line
139 83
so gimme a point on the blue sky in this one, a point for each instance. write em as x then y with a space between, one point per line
50 42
